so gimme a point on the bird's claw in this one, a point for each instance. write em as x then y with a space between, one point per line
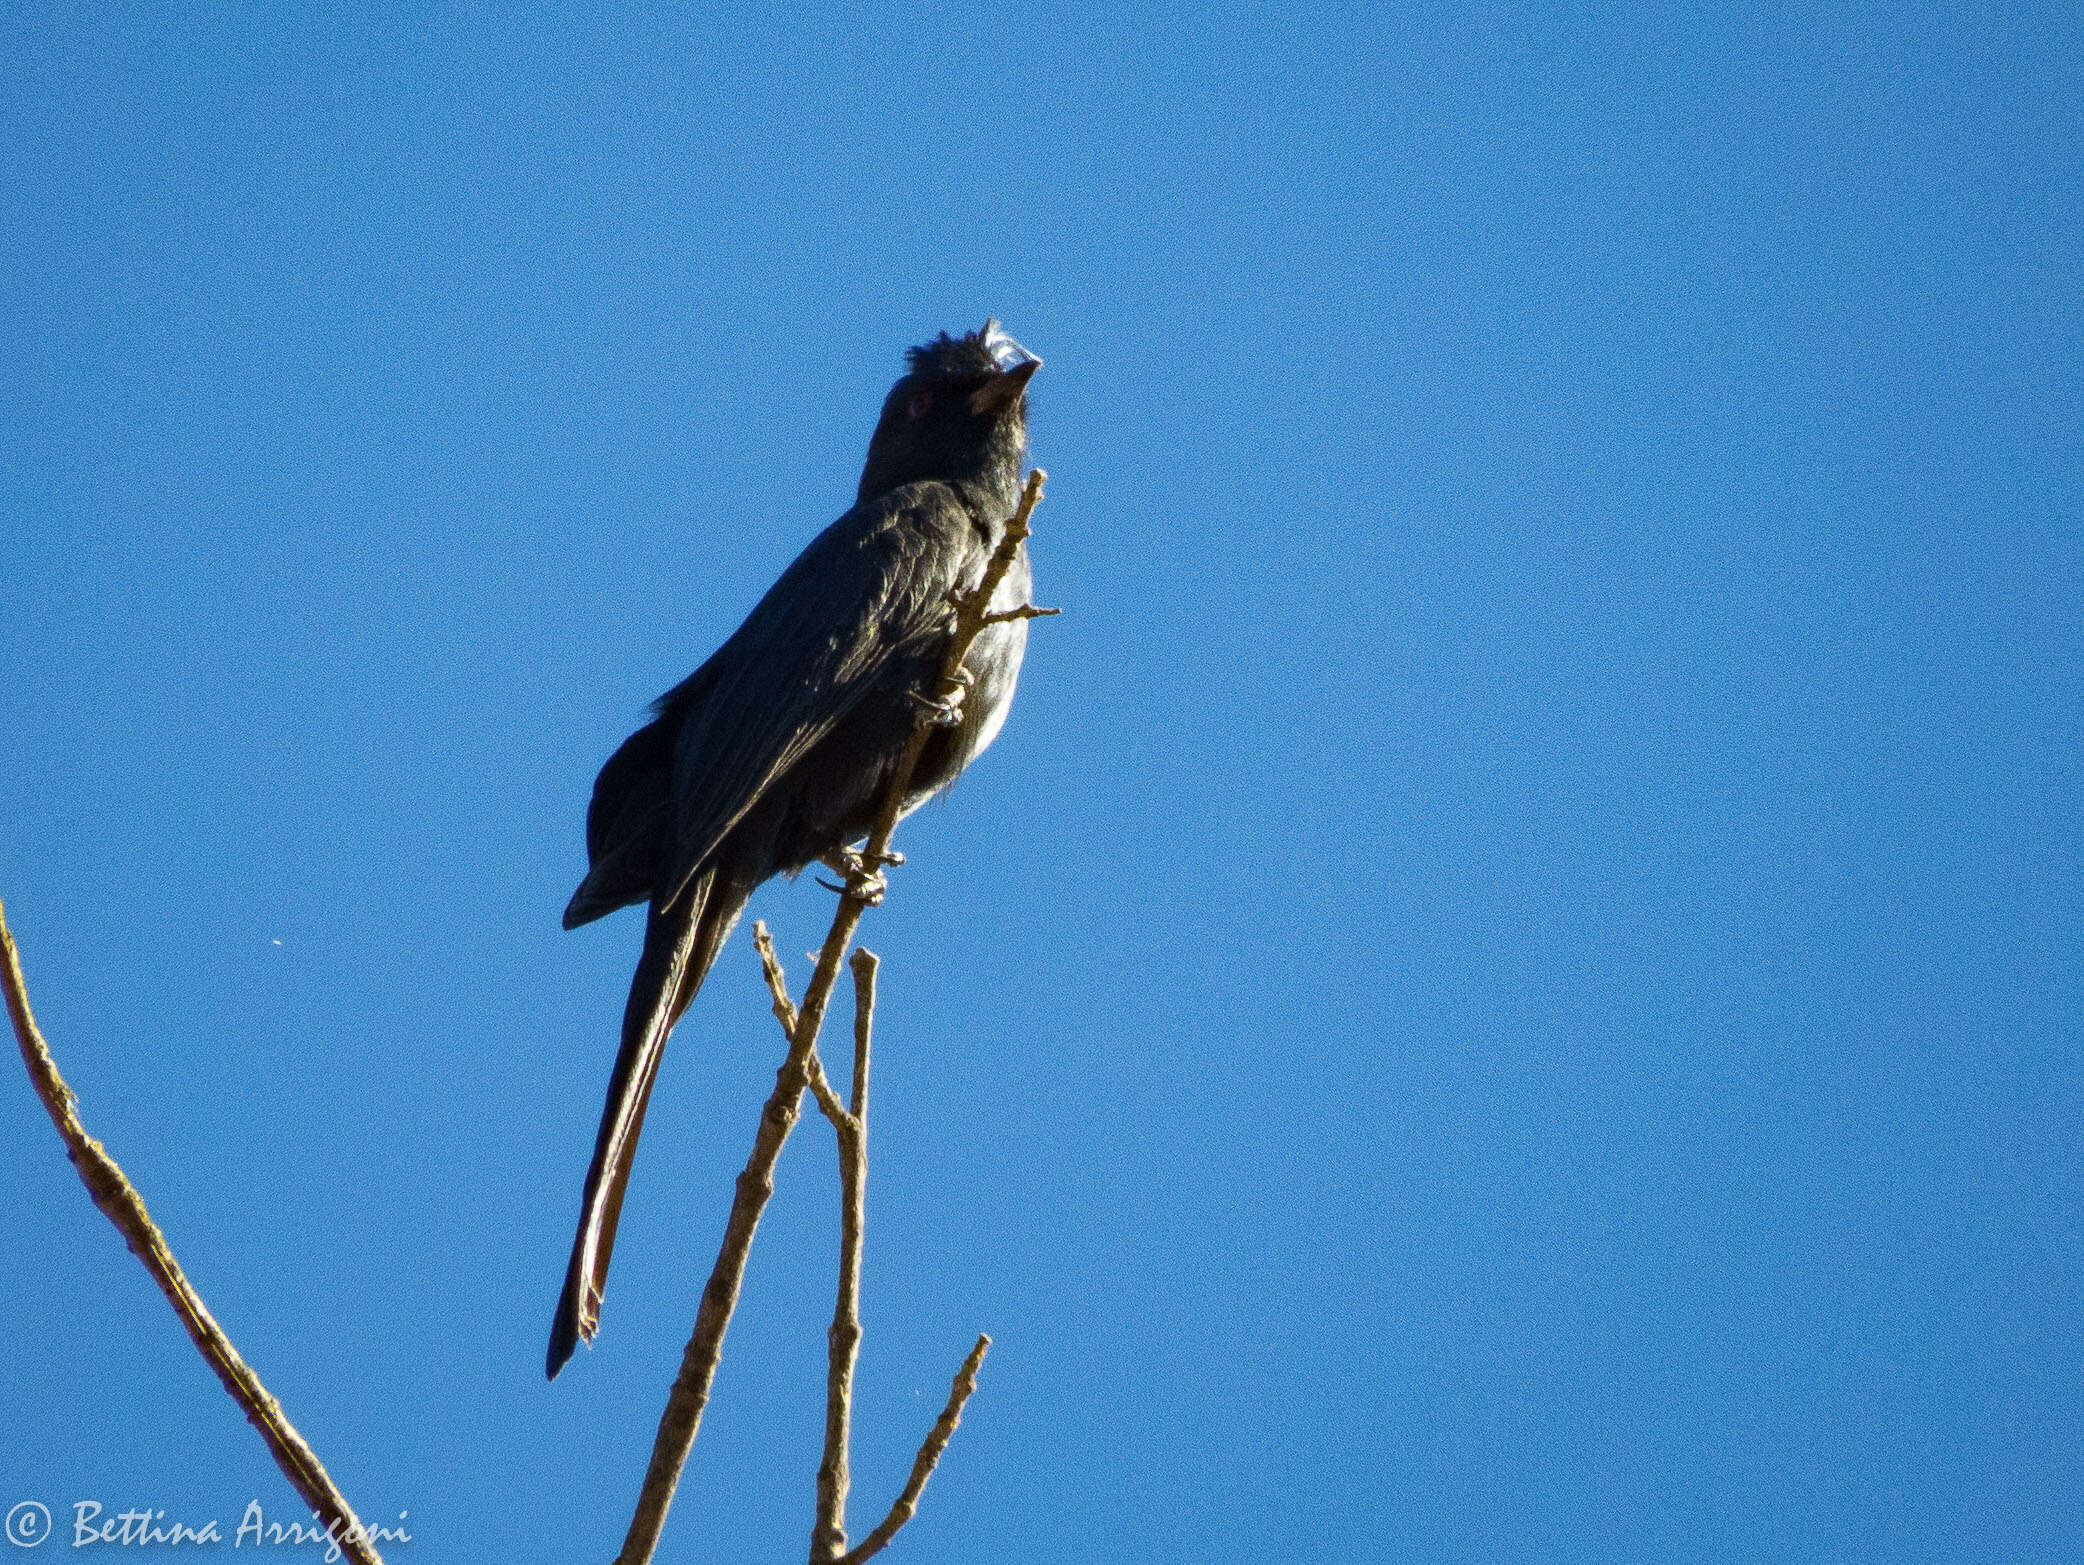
867 884
864 874
945 712
869 888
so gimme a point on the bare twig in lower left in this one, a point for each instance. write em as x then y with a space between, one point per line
121 1204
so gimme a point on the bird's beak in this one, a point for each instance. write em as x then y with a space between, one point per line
1004 388
1016 367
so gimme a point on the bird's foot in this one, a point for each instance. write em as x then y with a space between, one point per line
862 874
945 711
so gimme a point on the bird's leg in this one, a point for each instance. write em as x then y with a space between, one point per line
946 710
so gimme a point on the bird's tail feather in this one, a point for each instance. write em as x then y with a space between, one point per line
680 946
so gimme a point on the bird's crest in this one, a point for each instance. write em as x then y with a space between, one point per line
973 353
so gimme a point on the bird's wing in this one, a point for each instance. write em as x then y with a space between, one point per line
870 589
629 824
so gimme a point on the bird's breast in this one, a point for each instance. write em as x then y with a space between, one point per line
994 663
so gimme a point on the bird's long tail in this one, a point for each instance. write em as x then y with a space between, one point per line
680 946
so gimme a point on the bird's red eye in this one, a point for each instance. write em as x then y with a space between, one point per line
921 401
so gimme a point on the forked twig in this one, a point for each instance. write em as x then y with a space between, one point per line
689 1396
907 1504
828 1541
121 1204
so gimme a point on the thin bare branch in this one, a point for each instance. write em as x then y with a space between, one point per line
929 1457
121 1204
864 965
777 980
821 1089
785 1013
689 1396
828 1539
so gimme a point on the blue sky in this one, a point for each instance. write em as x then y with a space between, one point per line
1510 990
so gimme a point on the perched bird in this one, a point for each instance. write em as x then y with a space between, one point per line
776 751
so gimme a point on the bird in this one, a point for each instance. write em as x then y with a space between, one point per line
777 751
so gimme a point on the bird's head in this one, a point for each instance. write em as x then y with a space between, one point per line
960 415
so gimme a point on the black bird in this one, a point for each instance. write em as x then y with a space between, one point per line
776 751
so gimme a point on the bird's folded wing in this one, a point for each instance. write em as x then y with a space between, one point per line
868 590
